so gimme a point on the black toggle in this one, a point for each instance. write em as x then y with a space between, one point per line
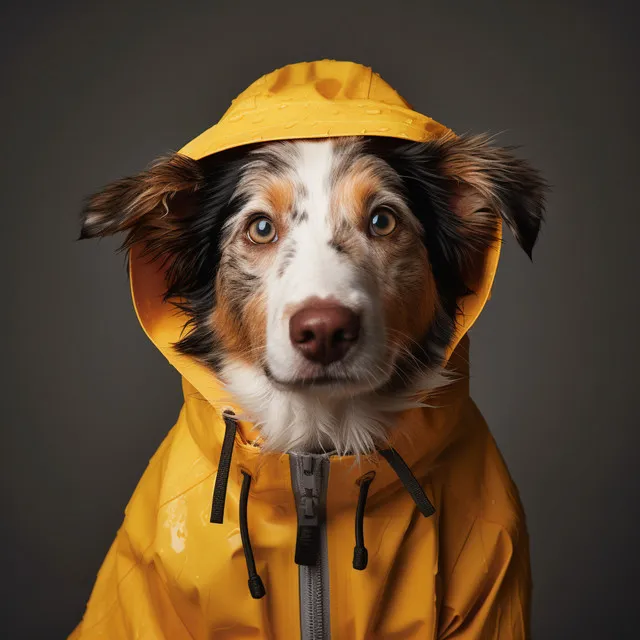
360 553
256 586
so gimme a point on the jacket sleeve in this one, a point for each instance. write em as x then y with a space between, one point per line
487 596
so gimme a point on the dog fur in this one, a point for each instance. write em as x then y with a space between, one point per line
318 197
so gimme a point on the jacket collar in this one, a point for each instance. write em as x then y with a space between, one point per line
420 436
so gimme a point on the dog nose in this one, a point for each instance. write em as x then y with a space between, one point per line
324 333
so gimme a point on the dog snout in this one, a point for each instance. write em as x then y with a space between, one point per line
324 332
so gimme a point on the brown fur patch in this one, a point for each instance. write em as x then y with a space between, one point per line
228 330
352 194
147 203
241 332
280 194
255 325
410 302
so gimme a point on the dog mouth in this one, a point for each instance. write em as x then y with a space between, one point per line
317 381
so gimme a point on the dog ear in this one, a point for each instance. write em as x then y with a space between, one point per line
145 205
487 181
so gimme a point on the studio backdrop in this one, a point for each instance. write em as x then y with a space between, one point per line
93 92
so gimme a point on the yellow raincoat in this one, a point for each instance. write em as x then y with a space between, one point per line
460 572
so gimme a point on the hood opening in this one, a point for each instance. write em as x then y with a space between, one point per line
320 99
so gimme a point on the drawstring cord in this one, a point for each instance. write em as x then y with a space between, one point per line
410 483
256 586
224 465
360 553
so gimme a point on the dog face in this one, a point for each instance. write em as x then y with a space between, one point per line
321 278
339 278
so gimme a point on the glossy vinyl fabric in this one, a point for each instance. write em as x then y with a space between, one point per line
461 573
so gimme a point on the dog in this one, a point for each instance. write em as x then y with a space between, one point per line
300 263
320 281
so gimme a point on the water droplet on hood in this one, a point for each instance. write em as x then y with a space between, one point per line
235 118
373 111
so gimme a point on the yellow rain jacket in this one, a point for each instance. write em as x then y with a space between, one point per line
453 563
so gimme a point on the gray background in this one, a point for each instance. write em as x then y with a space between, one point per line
94 91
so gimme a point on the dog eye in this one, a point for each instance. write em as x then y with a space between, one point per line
382 222
262 231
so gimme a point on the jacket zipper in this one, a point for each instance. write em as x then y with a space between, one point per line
309 478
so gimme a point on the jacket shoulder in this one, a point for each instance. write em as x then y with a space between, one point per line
483 554
473 480
176 467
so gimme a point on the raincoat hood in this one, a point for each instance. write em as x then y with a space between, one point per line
171 573
322 99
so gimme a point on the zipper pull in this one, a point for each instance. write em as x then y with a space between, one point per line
308 537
